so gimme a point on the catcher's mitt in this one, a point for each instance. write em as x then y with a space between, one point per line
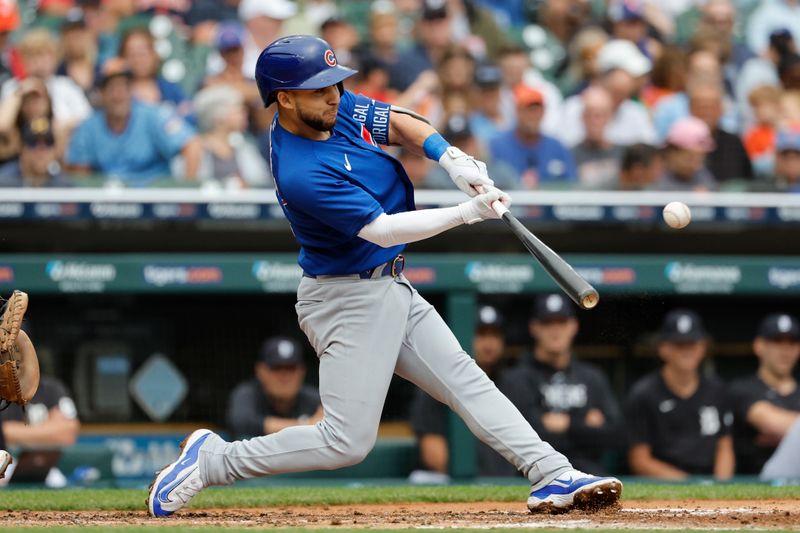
19 366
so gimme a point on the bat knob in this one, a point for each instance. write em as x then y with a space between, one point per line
589 299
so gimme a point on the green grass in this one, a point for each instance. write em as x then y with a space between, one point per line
264 497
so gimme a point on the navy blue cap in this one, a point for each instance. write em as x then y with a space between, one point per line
38 131
625 10
488 75
779 326
788 140
230 34
457 128
489 316
682 325
281 351
112 68
552 307
434 9
780 34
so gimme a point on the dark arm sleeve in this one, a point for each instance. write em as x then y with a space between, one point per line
243 418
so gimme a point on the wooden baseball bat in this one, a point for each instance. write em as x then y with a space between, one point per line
578 289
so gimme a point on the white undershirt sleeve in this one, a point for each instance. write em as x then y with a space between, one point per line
411 226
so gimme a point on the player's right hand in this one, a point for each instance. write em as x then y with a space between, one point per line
480 208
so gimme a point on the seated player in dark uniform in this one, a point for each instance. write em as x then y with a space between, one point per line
276 397
567 401
49 420
429 417
767 404
678 418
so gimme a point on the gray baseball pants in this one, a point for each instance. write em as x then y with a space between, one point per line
363 332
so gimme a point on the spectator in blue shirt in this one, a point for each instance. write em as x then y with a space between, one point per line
138 50
537 158
787 161
129 140
489 118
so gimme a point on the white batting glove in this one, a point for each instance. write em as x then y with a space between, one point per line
465 171
480 207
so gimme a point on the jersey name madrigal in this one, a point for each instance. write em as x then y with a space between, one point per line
330 189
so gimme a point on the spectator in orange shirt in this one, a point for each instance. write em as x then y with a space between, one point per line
668 76
759 140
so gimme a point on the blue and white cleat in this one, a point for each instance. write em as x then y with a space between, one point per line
575 490
178 482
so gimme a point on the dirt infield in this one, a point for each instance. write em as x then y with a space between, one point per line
693 514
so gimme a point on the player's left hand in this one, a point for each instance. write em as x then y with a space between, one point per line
466 172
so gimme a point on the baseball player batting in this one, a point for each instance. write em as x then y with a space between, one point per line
351 208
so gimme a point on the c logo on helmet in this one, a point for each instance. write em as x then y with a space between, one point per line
330 59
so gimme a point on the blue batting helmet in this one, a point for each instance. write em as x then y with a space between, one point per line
297 62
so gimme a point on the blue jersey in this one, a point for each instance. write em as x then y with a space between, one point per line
137 155
331 189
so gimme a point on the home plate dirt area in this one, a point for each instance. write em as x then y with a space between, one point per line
689 514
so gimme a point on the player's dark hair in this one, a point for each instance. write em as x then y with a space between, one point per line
782 42
639 154
370 63
787 63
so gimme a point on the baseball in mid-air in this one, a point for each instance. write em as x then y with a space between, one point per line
677 215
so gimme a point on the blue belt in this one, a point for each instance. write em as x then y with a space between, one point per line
391 268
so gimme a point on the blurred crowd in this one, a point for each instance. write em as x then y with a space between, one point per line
560 94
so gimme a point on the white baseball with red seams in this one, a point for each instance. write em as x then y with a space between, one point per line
677 215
